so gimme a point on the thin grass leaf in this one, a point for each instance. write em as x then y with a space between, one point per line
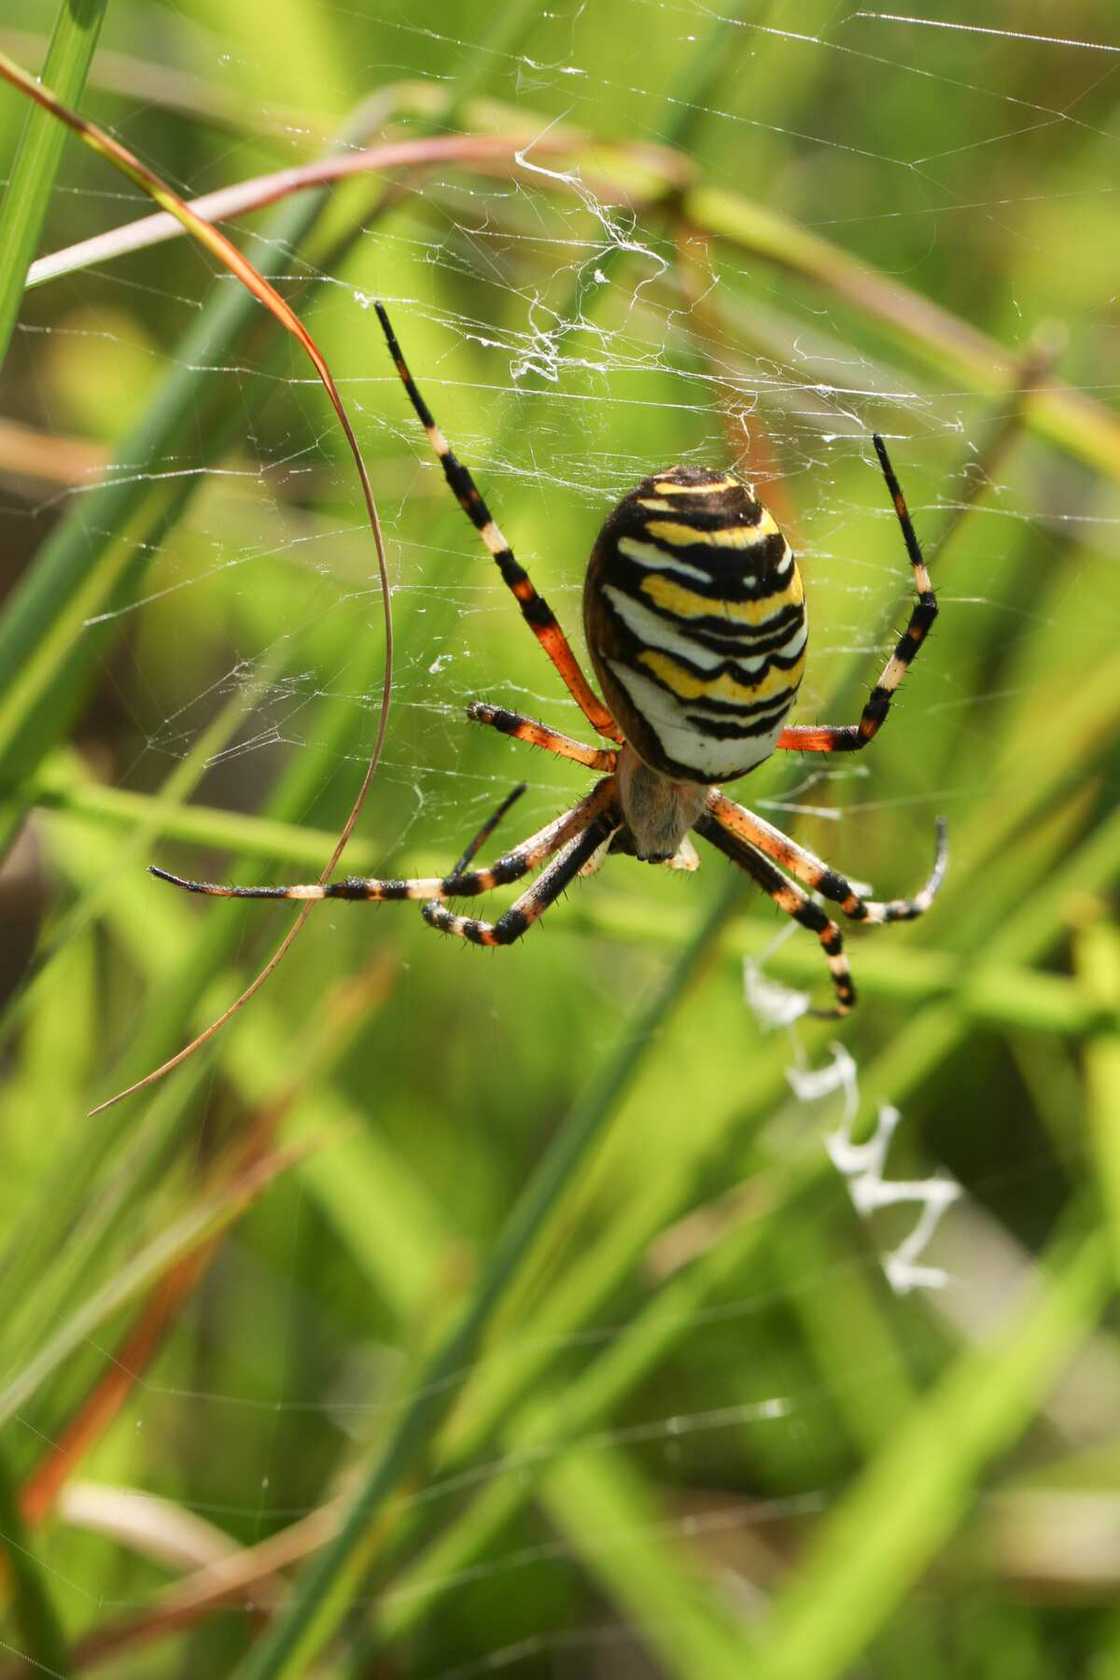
1098 962
239 266
377 1207
92 565
551 1420
320 1598
29 188
614 1524
33 1610
953 348
126 1368
410 156
210 1215
878 1539
147 817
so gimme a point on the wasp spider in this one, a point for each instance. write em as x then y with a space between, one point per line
694 615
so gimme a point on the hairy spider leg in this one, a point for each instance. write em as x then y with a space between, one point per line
511 867
850 737
815 873
531 906
475 846
540 735
794 902
535 610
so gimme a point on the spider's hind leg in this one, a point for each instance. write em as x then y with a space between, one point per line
795 902
755 831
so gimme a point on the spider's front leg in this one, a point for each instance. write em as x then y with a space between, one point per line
535 610
540 735
531 906
850 737
460 883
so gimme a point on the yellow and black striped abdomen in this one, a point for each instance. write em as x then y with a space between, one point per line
695 621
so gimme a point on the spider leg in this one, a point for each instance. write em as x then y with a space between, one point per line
531 906
457 884
474 846
794 902
815 873
850 737
540 735
535 610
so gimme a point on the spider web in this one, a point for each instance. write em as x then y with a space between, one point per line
568 348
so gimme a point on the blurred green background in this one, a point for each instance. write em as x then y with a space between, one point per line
696 1433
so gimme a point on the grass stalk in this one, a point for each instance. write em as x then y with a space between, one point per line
24 208
552 1419
996 994
321 1597
1098 962
45 1646
948 345
93 563
880 1537
209 1215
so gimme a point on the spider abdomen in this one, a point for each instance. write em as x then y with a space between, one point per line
695 620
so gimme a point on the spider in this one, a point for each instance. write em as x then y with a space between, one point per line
694 617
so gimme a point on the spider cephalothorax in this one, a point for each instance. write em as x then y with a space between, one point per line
695 620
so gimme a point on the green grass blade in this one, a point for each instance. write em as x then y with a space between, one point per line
206 1218
93 562
614 1523
1098 954
1066 417
884 1533
321 1597
45 1647
1002 995
928 1042
24 207
551 1419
